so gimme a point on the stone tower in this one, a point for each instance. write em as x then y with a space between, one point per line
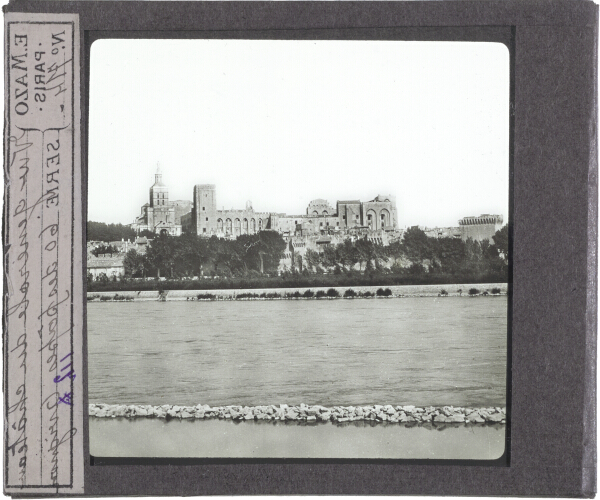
205 209
159 201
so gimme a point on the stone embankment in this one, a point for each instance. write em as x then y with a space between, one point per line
309 414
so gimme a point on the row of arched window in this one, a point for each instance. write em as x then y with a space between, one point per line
378 222
240 226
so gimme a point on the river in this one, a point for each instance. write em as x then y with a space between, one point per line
418 351
400 351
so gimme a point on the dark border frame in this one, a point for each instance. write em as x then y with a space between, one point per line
554 237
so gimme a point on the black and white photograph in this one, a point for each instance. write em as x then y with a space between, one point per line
298 249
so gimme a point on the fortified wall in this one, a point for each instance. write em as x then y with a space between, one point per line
480 228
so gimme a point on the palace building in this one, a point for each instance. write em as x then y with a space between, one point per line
320 217
200 216
376 219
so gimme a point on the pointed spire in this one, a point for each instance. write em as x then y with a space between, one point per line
158 175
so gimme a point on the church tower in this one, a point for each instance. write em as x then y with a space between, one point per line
160 210
159 193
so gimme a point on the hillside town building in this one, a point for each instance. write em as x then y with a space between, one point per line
111 263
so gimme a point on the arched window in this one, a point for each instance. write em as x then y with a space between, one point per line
245 227
384 217
220 226
252 226
228 227
372 219
236 227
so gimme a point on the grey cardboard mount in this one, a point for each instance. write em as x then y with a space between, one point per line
553 226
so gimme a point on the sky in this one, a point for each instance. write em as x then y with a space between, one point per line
282 122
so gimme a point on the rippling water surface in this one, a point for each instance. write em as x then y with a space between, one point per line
421 351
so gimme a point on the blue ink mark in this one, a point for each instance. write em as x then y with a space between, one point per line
69 374
66 399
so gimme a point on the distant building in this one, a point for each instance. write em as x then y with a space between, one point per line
206 220
480 228
376 219
160 215
110 266
320 217
442 232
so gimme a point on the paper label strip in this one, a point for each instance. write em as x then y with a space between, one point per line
43 390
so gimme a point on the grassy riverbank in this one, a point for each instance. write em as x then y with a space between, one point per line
352 279
468 290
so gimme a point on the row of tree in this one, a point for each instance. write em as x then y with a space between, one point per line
254 255
415 254
99 231
191 255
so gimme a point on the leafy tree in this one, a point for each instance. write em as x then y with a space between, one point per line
98 231
395 251
329 257
227 256
102 278
416 269
147 234
449 253
261 251
104 249
347 254
369 253
312 259
496 255
161 255
416 245
501 241
134 264
473 253
397 268
192 253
